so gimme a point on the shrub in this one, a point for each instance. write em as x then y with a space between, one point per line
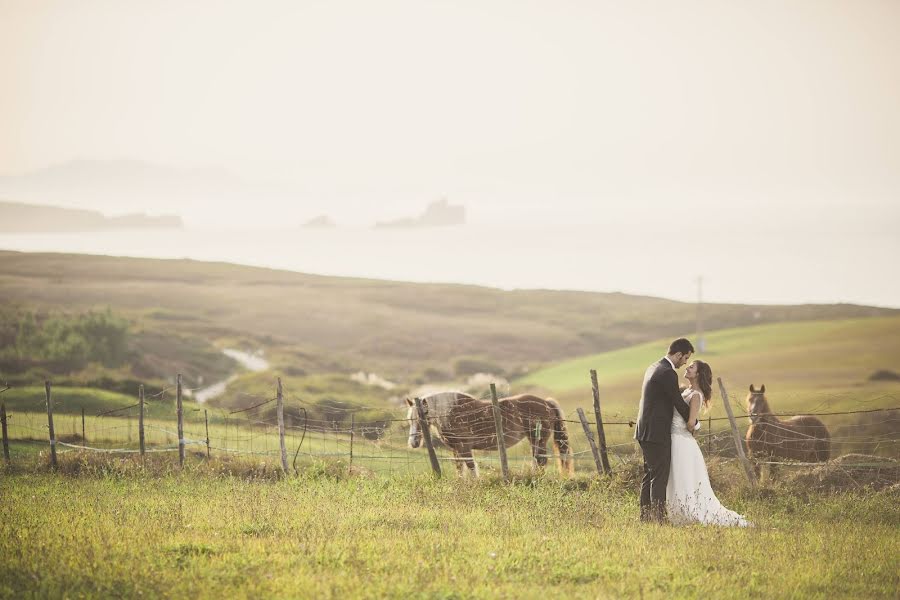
470 366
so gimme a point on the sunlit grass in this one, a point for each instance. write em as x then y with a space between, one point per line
323 534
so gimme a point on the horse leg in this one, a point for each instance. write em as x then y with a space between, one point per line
561 440
466 455
458 463
543 441
538 434
538 454
754 459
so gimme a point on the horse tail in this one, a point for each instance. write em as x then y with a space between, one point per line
561 438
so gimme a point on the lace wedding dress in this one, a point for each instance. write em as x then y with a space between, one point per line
689 496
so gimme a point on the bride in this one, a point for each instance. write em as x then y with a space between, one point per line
689 496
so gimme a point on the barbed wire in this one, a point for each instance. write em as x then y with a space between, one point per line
377 439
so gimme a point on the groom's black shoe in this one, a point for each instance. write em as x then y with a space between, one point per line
646 514
659 512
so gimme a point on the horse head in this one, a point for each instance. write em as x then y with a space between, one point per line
412 415
757 404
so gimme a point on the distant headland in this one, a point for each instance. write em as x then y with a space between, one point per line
17 217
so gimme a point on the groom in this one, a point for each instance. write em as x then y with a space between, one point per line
659 399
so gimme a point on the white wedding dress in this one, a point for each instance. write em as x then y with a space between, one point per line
689 496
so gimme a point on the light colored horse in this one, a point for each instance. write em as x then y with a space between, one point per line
465 423
802 438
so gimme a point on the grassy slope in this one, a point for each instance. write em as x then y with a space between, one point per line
808 361
71 400
215 537
816 366
400 328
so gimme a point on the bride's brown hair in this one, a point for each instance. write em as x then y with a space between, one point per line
704 380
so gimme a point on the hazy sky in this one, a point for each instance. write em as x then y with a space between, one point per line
530 110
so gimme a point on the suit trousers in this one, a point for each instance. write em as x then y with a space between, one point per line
657 463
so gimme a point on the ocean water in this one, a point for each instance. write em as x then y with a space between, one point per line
764 268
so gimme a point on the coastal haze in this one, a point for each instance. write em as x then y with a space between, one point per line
252 252
600 147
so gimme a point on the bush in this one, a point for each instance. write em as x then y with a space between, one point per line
67 341
470 366
884 375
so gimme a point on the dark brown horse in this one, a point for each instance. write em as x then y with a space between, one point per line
801 438
465 423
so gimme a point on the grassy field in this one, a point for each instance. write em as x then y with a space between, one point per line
815 366
202 534
400 330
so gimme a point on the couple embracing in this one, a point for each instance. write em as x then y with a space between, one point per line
676 484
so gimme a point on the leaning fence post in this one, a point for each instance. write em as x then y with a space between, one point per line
426 435
180 412
5 437
738 442
280 410
501 440
50 423
590 438
601 435
141 420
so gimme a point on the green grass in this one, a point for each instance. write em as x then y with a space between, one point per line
67 400
207 535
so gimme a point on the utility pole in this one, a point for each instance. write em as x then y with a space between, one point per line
701 343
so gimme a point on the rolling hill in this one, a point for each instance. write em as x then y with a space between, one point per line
404 331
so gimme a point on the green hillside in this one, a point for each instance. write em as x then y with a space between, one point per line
807 366
404 331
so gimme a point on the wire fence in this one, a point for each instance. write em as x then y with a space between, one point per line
380 443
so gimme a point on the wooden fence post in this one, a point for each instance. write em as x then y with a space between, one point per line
590 438
180 411
83 435
50 423
280 411
426 435
352 420
5 437
206 420
601 435
498 425
738 442
141 420
709 434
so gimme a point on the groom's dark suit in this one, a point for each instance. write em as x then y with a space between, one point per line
660 397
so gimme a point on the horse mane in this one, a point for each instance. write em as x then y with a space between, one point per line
441 404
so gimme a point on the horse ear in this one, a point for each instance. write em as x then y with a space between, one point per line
751 388
409 402
762 390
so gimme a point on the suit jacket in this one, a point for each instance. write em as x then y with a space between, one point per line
660 398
